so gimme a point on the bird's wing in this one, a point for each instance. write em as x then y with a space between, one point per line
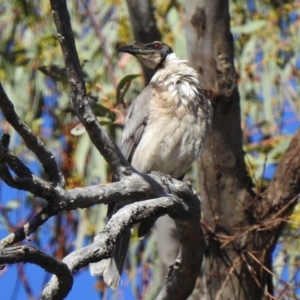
136 122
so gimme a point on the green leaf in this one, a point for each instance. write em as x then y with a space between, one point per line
12 204
81 153
249 27
55 72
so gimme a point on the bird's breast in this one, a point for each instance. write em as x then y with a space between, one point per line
175 133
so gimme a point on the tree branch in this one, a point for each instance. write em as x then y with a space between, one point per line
25 179
169 200
236 217
103 142
21 233
186 213
128 190
285 185
33 142
174 197
30 254
226 189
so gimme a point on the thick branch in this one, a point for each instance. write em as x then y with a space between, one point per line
185 212
103 142
187 264
285 185
33 142
30 254
128 190
236 218
223 177
182 278
224 181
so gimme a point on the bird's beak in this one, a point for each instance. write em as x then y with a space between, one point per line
134 49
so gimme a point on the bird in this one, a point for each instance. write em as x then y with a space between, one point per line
165 131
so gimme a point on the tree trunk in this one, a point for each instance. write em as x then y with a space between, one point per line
225 185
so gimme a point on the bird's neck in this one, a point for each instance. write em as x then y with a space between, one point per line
170 58
174 70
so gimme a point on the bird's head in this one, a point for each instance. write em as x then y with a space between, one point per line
151 55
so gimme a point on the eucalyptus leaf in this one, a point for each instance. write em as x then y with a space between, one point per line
12 204
249 27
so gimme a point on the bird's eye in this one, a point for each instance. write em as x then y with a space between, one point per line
157 46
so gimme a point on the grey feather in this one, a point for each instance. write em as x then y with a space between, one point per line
111 269
135 122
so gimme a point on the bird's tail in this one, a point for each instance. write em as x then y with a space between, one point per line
111 268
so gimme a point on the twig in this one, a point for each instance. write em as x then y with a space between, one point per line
23 232
231 270
253 275
102 40
266 269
